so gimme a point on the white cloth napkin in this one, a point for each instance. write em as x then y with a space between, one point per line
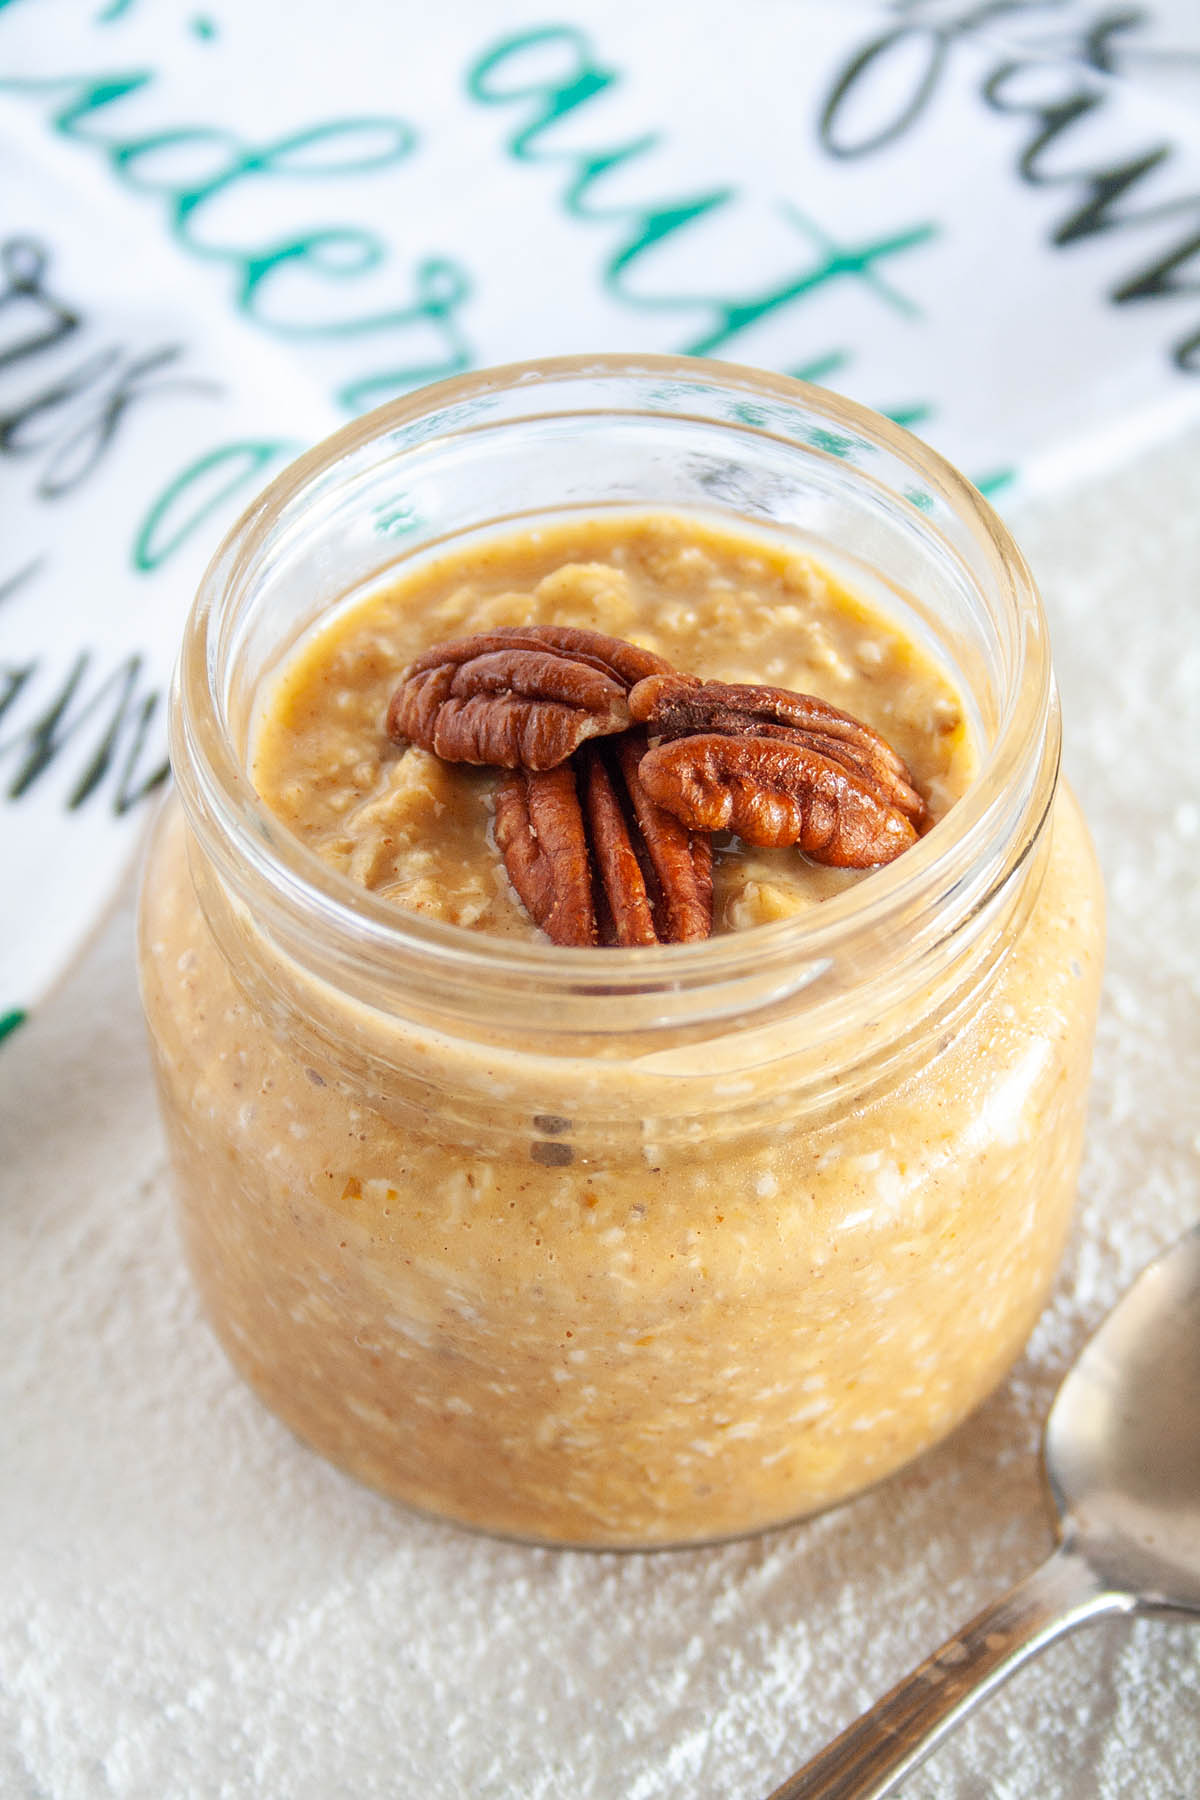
224 230
193 1605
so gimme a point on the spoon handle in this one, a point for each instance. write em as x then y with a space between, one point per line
872 1756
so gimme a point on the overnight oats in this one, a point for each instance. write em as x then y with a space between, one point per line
622 973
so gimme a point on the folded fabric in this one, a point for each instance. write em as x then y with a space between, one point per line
220 237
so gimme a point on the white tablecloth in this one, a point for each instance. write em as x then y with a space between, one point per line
194 1605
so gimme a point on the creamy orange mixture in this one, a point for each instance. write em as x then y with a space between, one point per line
417 830
657 1295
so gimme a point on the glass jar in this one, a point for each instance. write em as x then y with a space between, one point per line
631 1247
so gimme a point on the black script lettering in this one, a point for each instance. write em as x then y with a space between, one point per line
1105 189
13 584
1015 87
26 302
84 408
116 708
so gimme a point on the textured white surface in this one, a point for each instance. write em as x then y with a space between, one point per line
193 1605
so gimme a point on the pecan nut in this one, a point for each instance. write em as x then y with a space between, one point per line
773 792
595 860
524 697
654 874
540 835
673 706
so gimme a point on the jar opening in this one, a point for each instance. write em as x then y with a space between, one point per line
754 451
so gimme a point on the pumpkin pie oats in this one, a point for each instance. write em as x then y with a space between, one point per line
630 1280
418 827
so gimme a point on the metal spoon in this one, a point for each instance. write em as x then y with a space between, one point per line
1122 1455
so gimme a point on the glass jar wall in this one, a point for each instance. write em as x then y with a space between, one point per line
624 1247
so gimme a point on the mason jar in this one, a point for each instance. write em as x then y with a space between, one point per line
624 1247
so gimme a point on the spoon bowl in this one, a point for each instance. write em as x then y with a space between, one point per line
1122 1445
1122 1462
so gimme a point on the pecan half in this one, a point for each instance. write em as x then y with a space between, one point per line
773 792
539 833
655 876
521 698
673 706
595 860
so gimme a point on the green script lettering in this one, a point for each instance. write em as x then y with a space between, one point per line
187 168
199 490
552 72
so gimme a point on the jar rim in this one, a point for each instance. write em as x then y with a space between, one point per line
916 902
